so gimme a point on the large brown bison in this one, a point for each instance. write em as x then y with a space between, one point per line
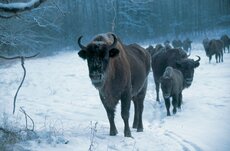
119 72
214 47
226 41
172 86
176 58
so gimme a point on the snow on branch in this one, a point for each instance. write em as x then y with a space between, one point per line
20 6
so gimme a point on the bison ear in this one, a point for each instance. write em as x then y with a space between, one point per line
113 52
82 54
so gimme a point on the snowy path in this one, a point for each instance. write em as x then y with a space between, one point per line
58 95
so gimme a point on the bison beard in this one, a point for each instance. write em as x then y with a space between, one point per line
119 72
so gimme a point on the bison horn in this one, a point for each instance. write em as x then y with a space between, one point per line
188 54
79 43
114 42
198 59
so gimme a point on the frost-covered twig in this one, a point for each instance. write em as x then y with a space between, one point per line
26 115
24 75
92 136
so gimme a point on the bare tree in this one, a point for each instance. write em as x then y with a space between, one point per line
22 33
20 6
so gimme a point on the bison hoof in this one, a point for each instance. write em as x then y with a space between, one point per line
168 114
174 111
113 133
128 134
140 130
134 125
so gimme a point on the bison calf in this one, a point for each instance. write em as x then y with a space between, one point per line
119 72
172 86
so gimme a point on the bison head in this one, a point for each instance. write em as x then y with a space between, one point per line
167 82
187 66
98 54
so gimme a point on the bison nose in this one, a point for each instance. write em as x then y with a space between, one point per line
95 77
189 81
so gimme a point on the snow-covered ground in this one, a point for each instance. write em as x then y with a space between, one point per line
69 115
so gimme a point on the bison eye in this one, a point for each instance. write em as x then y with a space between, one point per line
101 54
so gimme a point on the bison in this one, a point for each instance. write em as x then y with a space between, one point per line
187 45
176 58
205 43
118 72
167 44
177 43
226 41
151 50
172 86
214 47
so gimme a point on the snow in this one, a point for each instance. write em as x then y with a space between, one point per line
69 115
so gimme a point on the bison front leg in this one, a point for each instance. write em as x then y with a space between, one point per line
136 112
180 101
139 106
217 58
167 105
210 58
125 106
222 57
113 129
175 103
157 90
110 114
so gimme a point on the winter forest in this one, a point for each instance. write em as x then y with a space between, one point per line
48 98
58 23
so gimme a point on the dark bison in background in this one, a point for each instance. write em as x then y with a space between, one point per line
187 45
153 50
175 58
172 86
214 47
177 43
226 41
167 44
119 72
205 43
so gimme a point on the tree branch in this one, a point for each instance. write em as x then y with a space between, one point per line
20 6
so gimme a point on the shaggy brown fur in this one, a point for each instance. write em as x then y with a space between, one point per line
214 47
119 73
